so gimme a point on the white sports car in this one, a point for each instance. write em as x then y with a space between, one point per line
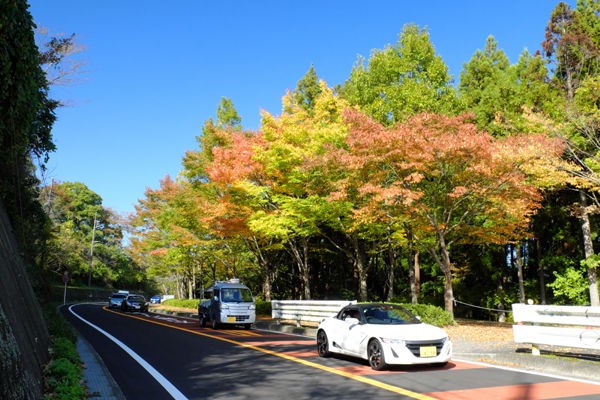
383 334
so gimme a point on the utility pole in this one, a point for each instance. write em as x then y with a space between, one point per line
92 252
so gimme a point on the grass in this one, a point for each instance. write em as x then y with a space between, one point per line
63 376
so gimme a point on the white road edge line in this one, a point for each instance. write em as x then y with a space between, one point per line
169 387
528 371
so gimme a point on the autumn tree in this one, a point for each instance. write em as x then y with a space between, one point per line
169 237
179 230
454 183
284 208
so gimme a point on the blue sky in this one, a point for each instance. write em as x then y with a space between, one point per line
156 70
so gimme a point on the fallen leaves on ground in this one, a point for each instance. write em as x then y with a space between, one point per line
481 331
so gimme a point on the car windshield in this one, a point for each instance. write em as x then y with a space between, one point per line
118 296
388 314
236 295
136 298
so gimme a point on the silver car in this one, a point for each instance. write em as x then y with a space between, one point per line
115 300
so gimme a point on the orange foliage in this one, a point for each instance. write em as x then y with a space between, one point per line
445 175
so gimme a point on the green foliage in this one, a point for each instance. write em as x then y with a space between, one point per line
64 373
263 308
78 219
227 115
57 325
63 380
26 118
430 314
182 303
502 95
63 347
307 90
402 80
570 287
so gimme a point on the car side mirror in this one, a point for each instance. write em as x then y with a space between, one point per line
352 321
215 298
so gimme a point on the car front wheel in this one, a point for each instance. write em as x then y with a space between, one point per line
323 344
375 354
202 319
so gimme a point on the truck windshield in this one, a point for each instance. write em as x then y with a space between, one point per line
236 295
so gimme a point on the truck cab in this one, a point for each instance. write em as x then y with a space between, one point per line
227 303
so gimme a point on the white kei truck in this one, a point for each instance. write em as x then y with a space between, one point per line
227 303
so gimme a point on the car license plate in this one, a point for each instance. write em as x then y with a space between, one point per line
230 319
427 351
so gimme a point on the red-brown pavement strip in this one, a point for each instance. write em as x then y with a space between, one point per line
301 354
532 391
367 370
280 343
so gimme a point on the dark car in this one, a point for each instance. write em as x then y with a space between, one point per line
156 299
115 300
134 302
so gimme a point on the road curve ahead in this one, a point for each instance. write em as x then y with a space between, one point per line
154 356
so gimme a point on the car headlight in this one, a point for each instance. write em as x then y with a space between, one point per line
392 341
252 307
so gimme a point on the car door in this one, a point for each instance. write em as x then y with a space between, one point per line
353 331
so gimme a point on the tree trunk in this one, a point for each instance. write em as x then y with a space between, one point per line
391 263
414 270
265 267
448 291
443 260
541 272
300 254
589 250
268 282
360 266
500 293
519 264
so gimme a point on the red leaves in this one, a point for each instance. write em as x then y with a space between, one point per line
235 162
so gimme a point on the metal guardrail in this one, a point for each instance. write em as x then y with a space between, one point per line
565 326
306 310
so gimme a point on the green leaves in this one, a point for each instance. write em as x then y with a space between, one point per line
402 80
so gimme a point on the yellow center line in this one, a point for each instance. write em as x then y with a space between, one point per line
359 378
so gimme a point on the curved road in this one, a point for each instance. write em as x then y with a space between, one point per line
158 357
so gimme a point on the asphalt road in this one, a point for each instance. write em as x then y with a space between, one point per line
163 357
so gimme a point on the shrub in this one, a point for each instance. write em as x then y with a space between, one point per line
63 374
64 348
182 303
429 314
64 380
57 325
263 307
570 287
